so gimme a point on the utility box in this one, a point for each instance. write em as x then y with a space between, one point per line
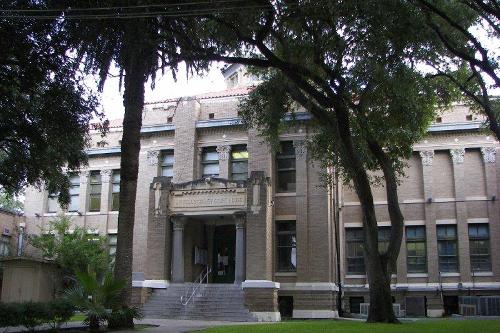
29 279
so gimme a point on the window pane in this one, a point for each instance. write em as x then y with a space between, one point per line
287 148
116 176
210 155
115 201
167 158
73 203
239 154
95 203
52 204
286 243
211 169
286 163
286 181
167 171
240 167
286 226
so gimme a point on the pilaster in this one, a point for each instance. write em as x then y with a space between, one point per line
458 157
240 273
427 157
301 202
105 190
224 152
84 176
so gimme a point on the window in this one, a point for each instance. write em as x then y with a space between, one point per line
167 163
468 117
211 116
52 203
439 120
210 162
479 245
115 190
286 240
74 193
355 303
285 167
4 246
112 247
239 163
447 248
169 120
416 252
232 81
95 191
384 235
355 255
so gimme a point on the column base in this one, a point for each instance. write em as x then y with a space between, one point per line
267 316
153 284
315 314
435 313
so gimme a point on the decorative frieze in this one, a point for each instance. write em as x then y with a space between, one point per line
223 151
106 175
489 154
457 155
427 156
153 157
300 148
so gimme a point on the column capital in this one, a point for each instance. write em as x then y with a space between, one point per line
106 175
300 148
224 151
457 155
427 156
489 154
84 176
240 218
178 221
153 157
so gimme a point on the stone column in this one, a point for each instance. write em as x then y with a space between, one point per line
240 262
224 152
458 156
178 249
105 190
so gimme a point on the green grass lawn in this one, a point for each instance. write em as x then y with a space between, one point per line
77 317
326 326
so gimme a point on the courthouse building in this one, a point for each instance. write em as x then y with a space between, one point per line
262 229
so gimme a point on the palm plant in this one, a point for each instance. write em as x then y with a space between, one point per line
95 297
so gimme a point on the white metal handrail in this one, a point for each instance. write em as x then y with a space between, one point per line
203 277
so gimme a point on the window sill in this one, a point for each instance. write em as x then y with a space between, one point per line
474 274
73 214
50 214
417 275
286 194
451 274
93 213
113 212
355 276
285 274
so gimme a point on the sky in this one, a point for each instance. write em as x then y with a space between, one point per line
166 87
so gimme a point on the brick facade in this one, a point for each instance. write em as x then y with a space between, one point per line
452 178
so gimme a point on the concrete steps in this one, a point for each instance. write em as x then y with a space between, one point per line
221 302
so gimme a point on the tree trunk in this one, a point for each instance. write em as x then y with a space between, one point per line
133 100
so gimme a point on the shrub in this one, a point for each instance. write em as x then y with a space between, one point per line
32 314
120 316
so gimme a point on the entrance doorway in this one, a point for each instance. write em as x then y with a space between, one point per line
223 264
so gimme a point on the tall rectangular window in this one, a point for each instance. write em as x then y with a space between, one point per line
74 193
286 240
355 251
239 163
210 162
285 167
52 203
479 246
416 251
95 191
384 235
167 163
115 190
4 246
447 248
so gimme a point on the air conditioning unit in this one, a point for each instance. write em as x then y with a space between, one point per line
364 309
468 310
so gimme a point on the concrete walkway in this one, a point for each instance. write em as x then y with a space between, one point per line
181 326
